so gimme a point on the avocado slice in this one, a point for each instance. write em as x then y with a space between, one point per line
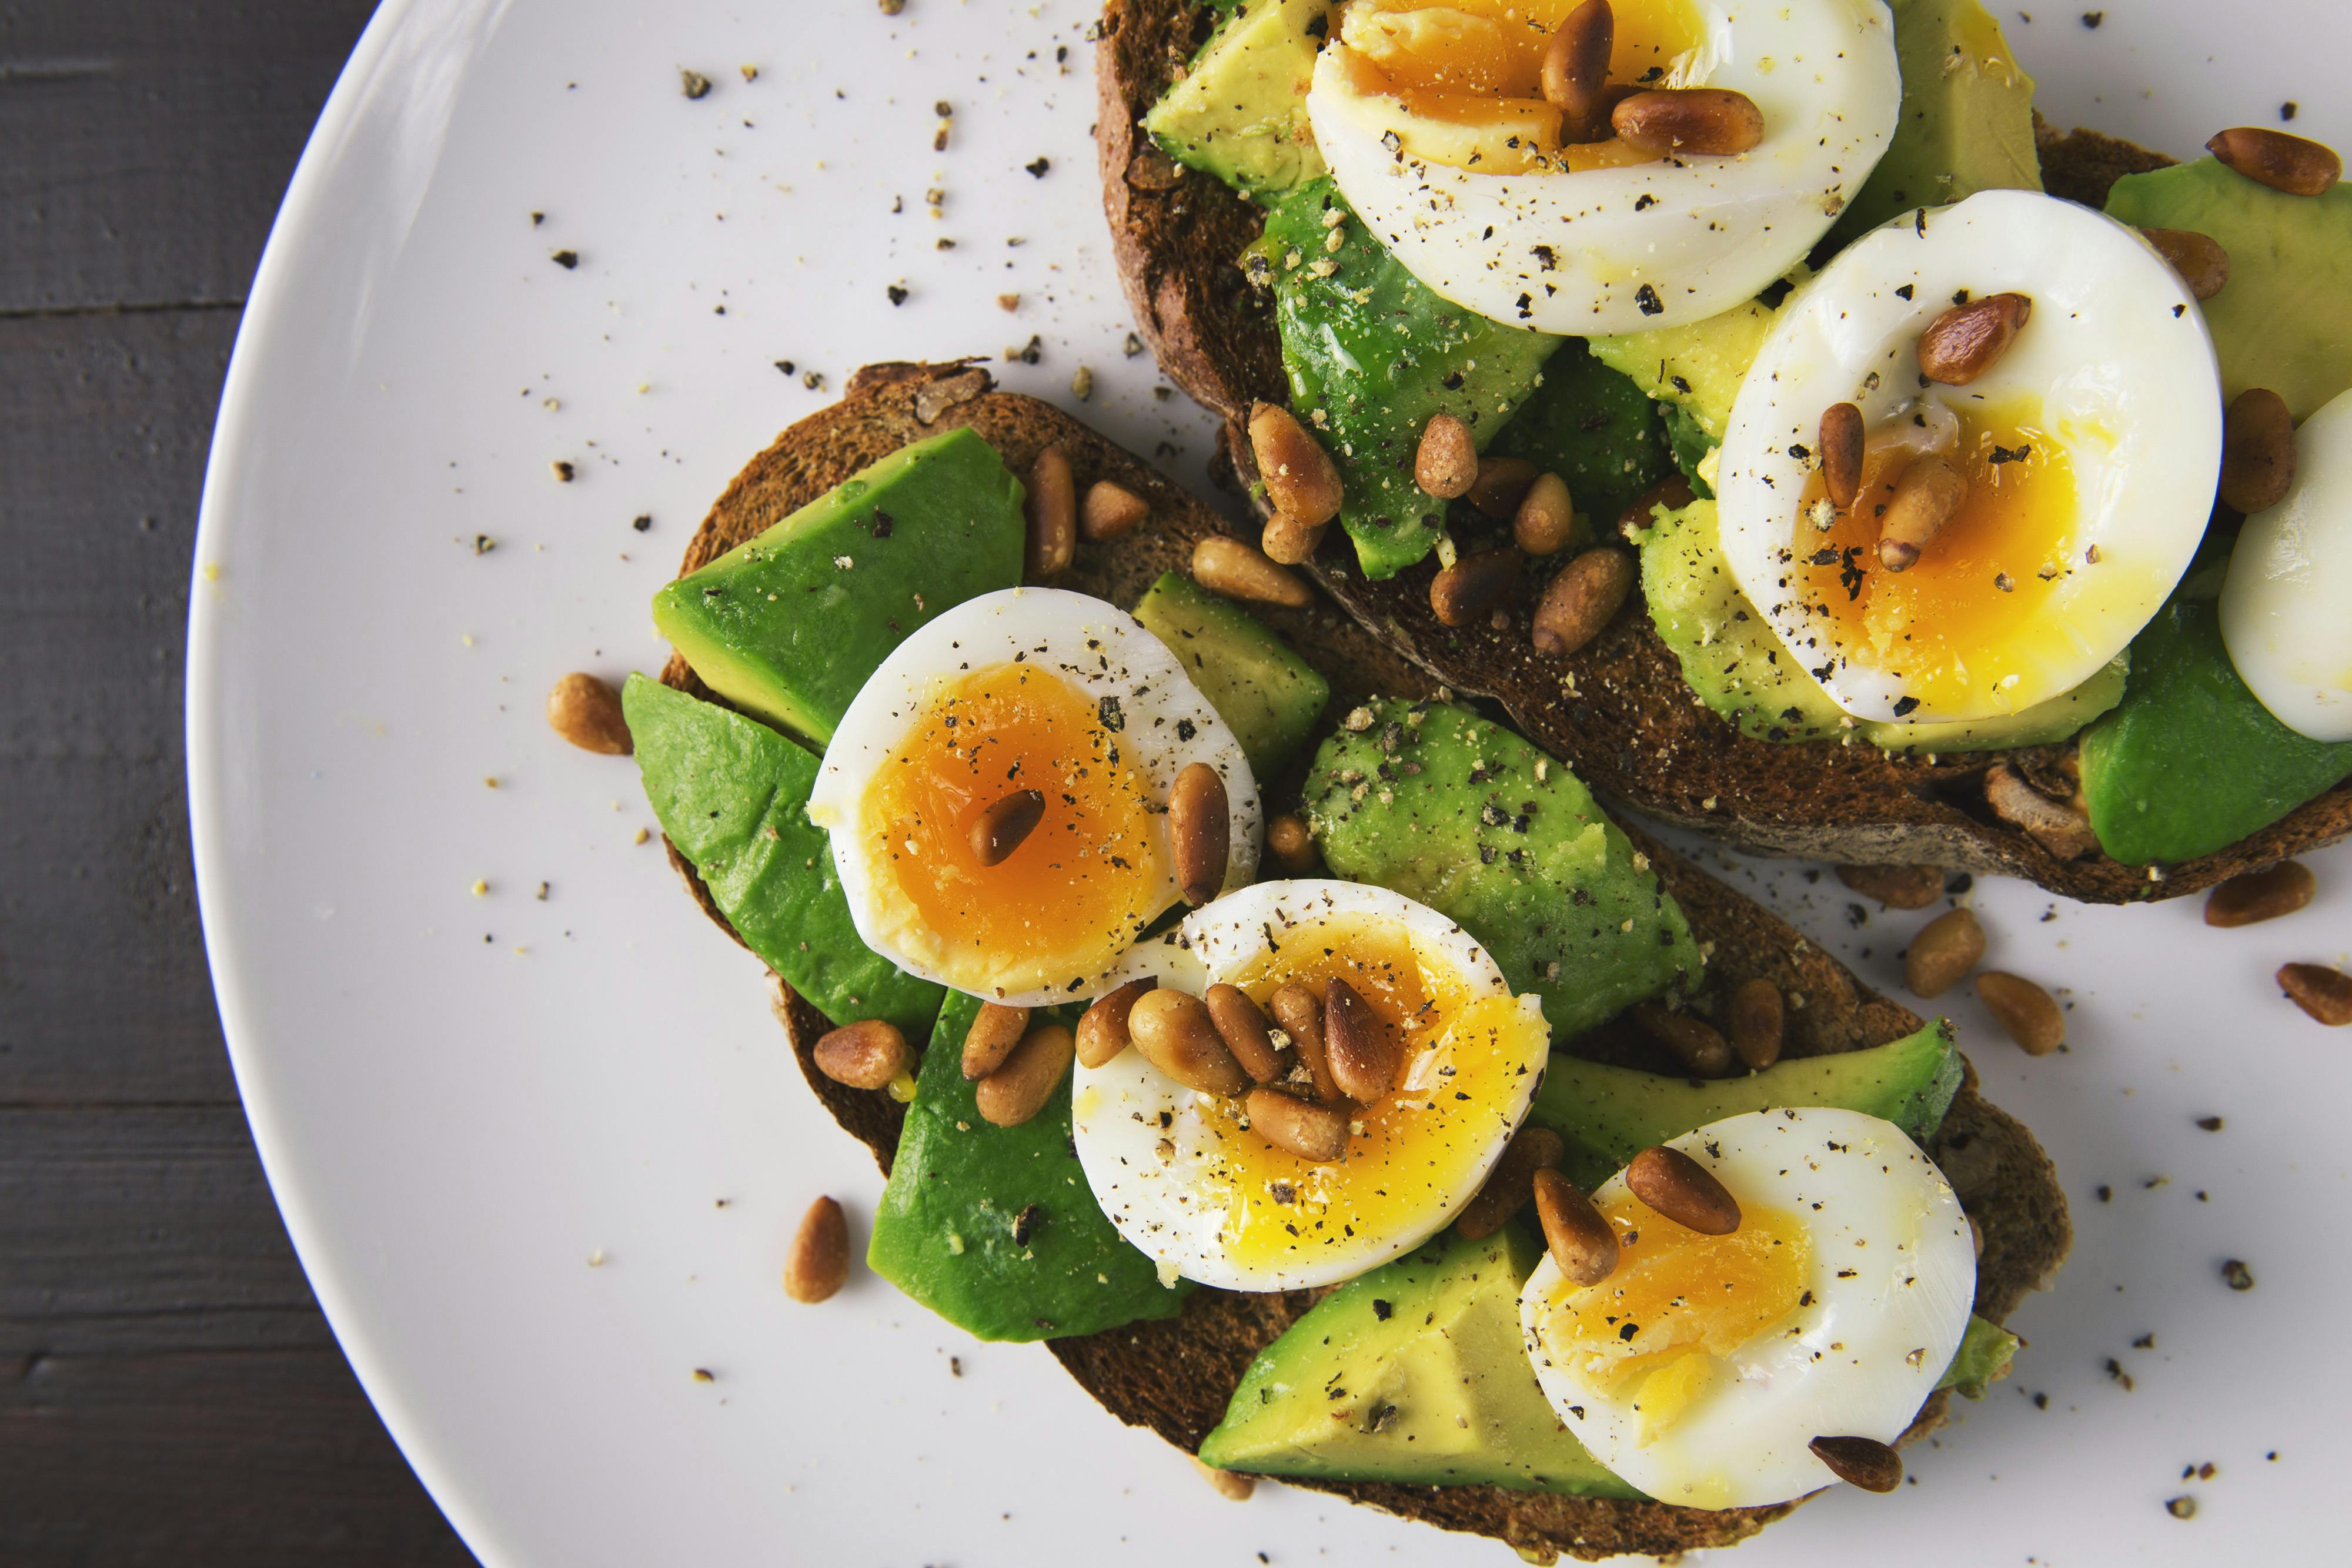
1239 111
1416 1373
2284 320
1268 694
1589 423
788 626
1445 806
1696 367
995 1228
1985 1352
732 795
1607 1115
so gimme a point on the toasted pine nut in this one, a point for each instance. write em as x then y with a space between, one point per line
1501 484
1576 71
1299 477
1231 567
1864 1462
2199 259
1695 1042
992 1038
2061 827
2026 1013
1579 1238
2257 451
2257 895
1002 828
1300 1015
1757 1023
1231 1485
1511 1183
586 712
1445 463
818 1263
2272 158
1711 121
1358 1044
1111 510
1683 1190
864 1055
1287 541
1966 341
1291 843
1199 831
1841 439
1896 886
1926 497
1546 519
1581 600
1674 493
1019 1089
1472 585
1052 509
1175 1033
1243 1027
1317 1132
1943 953
2324 993
1102 1028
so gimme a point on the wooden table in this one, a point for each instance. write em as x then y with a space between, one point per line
169 1393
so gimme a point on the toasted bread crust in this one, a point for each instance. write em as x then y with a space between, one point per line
1175 1376
1618 710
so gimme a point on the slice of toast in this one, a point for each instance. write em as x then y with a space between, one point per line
1175 1376
1618 710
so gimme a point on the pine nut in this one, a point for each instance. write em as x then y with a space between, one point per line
1966 341
1864 1462
1840 441
1926 497
1673 492
1175 1033
1511 1183
1356 1044
1896 886
1546 519
1581 600
1052 509
1199 831
1757 1022
1245 1032
1291 844
1579 1238
1501 484
1709 121
586 712
1019 1089
1943 953
2199 259
818 1263
1683 1190
1300 1015
1289 542
1464 591
1317 1132
1445 463
2257 451
1002 828
2272 158
864 1055
992 1038
2258 896
1231 567
1111 510
2026 1013
1103 1026
1695 1042
2324 993
1231 1485
1576 71
2061 827
1299 477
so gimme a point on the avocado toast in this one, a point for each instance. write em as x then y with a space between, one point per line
1655 711
1174 1361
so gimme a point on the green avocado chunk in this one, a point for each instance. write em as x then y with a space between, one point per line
1986 1350
2192 761
1239 111
732 795
788 626
1416 1373
1607 1115
1371 352
995 1228
1589 423
1444 807
1268 694
2284 320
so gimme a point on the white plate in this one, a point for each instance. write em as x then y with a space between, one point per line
462 1100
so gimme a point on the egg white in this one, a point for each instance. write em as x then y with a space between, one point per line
2286 607
1097 649
1859 1361
2117 358
1122 1111
1655 244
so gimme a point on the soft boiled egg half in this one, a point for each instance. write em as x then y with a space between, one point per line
1703 1367
1184 1178
1433 121
1029 689
2286 607
2090 449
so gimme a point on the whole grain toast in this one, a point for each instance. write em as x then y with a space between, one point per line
1175 1376
1618 710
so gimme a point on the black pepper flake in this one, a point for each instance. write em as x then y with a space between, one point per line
787 366
1038 170
1023 1223
566 259
694 84
1644 202
2237 1275
642 521
882 523
1906 291
1381 1309
2090 19
1186 730
484 544
2210 1124
1905 706
1648 298
897 293
1107 713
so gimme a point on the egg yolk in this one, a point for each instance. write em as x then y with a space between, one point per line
1464 1066
1941 625
1466 78
1679 1303
1085 883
